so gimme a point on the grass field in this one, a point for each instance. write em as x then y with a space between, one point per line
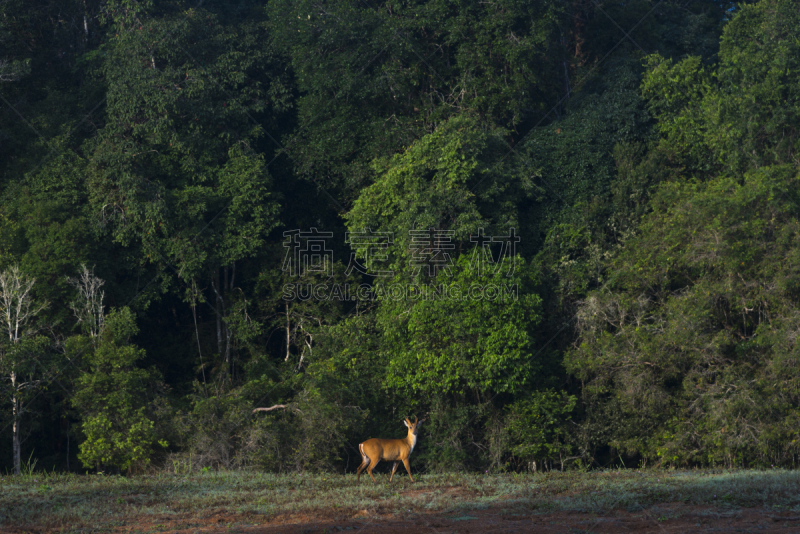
247 501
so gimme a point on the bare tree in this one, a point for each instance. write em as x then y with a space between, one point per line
18 308
88 307
222 282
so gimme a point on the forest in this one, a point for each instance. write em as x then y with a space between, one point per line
566 234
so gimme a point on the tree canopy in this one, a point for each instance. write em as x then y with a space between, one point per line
563 232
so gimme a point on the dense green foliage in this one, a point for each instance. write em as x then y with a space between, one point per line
564 232
111 396
688 353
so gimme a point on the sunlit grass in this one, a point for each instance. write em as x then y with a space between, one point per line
72 502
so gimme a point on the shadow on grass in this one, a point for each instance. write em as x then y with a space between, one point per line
69 502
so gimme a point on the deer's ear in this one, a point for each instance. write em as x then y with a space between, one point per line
406 423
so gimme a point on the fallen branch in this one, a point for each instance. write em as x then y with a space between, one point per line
270 408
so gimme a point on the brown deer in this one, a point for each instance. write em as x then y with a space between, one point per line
392 450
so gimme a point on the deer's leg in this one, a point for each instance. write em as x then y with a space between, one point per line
371 467
364 463
394 468
361 467
408 469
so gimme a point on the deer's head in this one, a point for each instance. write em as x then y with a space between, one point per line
413 428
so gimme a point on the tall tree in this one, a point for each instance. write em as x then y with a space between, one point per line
178 170
21 350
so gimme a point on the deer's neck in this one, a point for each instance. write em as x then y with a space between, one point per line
411 440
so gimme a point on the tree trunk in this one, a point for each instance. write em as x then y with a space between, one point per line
199 349
288 332
218 311
221 286
227 330
228 287
15 423
85 24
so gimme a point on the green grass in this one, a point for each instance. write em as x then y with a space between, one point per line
102 503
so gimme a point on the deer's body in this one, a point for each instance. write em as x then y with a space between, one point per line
391 450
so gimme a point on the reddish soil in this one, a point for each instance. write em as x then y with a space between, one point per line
676 518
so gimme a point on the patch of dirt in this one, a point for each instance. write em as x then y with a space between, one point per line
455 492
675 518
